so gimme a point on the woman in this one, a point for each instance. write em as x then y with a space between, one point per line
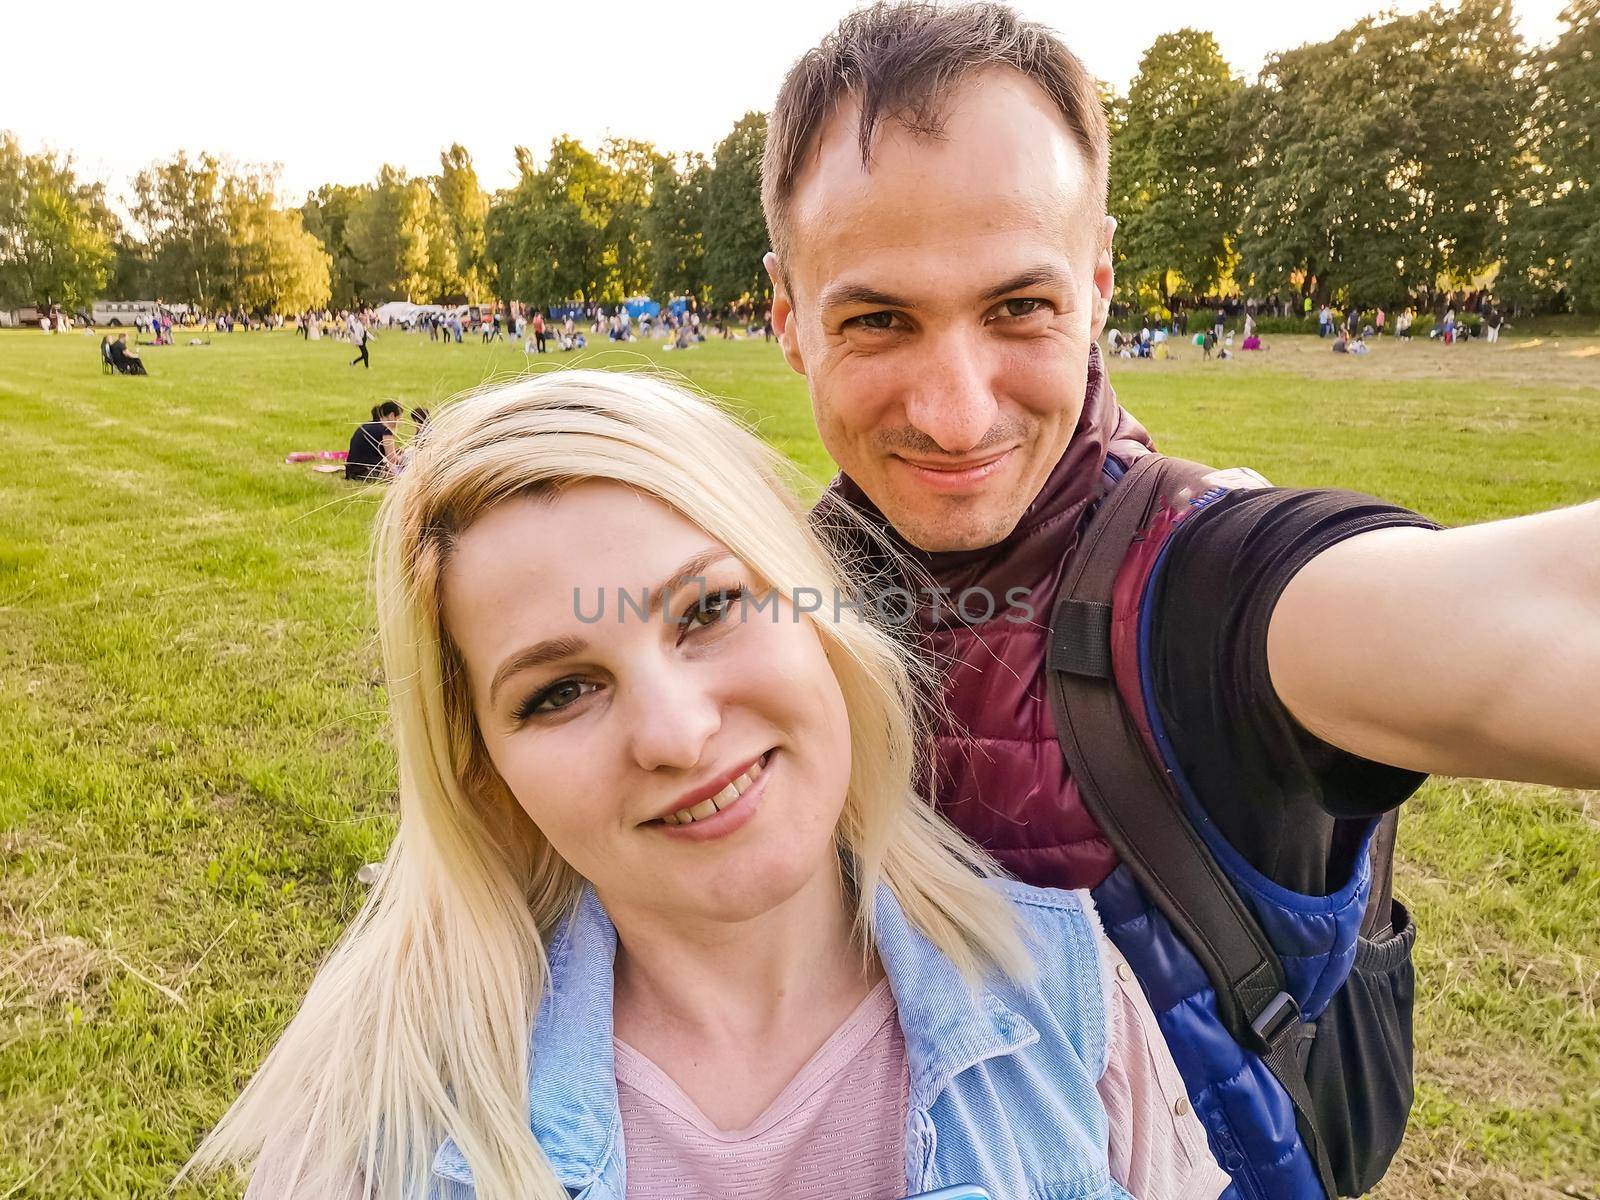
665 913
373 452
419 423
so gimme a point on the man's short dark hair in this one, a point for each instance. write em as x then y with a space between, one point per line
901 61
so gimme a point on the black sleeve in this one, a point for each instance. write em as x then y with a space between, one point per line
1290 803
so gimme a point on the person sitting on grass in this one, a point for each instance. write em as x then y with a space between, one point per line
667 907
419 421
373 453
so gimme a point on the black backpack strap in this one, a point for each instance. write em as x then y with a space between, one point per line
1137 807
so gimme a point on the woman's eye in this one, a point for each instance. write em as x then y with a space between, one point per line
712 607
557 695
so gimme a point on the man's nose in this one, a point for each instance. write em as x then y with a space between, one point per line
951 397
671 717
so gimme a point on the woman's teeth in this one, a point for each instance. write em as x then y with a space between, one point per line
715 804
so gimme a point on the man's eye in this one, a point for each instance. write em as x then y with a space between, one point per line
1021 308
873 320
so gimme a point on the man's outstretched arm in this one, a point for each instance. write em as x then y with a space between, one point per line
1471 651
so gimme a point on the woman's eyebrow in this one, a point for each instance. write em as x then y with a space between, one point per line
567 646
693 568
536 655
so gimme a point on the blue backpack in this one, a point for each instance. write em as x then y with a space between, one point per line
1289 1016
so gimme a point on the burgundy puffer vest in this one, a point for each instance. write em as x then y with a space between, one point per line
1001 776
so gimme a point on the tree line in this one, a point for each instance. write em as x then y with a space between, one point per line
1405 156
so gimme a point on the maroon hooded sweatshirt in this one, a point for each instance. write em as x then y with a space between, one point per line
1000 774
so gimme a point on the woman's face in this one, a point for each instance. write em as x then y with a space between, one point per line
613 727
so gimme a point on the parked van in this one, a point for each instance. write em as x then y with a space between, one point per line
122 312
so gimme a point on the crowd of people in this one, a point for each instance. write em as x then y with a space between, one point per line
1351 328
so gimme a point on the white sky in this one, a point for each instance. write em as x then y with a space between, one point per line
332 90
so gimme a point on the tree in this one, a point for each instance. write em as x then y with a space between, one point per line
180 205
628 169
55 233
1553 238
1174 185
393 233
735 230
326 214
466 210
674 224
548 232
277 265
1380 162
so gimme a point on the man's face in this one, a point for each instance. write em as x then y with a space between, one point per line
942 306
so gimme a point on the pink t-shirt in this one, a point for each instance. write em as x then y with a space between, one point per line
839 1127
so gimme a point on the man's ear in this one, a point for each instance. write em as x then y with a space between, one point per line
783 314
1105 278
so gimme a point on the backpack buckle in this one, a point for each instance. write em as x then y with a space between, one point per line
1281 1016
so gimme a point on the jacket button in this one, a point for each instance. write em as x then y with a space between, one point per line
1181 1108
1124 972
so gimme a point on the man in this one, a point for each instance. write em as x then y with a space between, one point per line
360 335
942 268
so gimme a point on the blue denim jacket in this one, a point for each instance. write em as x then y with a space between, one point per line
1002 1079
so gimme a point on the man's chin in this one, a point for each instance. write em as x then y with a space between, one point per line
954 531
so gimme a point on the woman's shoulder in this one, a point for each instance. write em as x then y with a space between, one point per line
1047 905
1061 928
1070 989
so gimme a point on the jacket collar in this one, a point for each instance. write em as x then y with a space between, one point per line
948 1024
572 1085
574 1114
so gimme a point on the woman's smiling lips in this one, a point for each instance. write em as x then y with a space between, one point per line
956 476
731 813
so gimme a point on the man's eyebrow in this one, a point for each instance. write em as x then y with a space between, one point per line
554 649
1032 277
839 294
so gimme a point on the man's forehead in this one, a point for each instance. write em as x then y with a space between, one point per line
1003 164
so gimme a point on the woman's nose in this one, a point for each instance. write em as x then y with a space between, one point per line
672 716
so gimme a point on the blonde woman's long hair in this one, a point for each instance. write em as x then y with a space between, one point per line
418 1025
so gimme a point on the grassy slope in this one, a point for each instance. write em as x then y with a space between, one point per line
192 763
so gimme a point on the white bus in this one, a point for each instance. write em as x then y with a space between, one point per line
122 312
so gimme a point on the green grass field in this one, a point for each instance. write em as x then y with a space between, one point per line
192 757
